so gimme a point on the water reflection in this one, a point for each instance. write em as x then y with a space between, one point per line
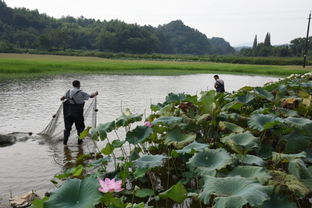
71 156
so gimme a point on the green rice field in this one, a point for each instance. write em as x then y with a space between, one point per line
29 66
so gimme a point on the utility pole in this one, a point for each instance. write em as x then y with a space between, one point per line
306 44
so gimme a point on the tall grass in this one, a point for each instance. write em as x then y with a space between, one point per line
176 57
25 65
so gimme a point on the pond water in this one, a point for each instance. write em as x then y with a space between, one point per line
27 106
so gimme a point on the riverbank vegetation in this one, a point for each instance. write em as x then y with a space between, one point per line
250 148
29 66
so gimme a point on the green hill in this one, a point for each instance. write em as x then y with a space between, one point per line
24 28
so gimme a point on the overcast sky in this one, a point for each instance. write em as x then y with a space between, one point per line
237 21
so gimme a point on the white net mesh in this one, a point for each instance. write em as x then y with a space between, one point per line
54 130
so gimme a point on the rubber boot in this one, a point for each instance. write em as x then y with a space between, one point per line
66 136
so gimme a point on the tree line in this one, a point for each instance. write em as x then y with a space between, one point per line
264 49
24 28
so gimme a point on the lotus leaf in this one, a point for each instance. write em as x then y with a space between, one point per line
224 125
176 193
295 142
177 138
207 102
103 129
108 149
280 157
127 118
144 192
118 143
149 161
245 98
235 105
168 120
173 98
193 147
264 93
298 122
141 205
250 160
285 112
76 193
252 172
140 172
241 143
210 160
234 192
298 168
262 122
139 134
278 201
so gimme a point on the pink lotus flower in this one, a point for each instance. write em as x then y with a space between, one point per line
108 185
148 124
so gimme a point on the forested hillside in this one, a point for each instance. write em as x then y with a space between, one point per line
23 28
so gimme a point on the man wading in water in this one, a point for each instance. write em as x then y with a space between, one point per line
219 84
73 110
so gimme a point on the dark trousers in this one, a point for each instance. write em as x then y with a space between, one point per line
69 121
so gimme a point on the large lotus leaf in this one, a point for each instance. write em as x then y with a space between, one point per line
139 134
174 98
296 142
243 142
168 120
298 122
264 93
231 127
252 172
210 160
234 105
177 138
250 160
127 118
176 193
262 122
281 157
149 161
279 201
234 192
193 147
285 112
76 193
102 130
245 98
207 102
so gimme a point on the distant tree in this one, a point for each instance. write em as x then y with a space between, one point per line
255 43
267 40
106 41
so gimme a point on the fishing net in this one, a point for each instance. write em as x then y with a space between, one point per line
55 129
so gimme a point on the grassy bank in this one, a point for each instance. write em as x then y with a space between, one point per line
28 66
232 59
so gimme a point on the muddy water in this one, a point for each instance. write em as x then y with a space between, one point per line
27 106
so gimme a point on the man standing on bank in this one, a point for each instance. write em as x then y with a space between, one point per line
219 84
73 110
